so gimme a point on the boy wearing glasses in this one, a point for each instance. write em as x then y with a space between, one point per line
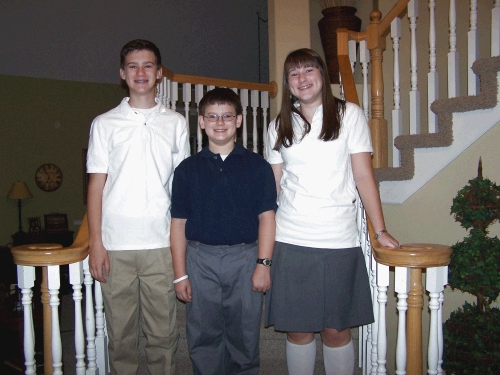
222 237
133 150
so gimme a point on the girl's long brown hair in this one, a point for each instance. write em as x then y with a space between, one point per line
333 108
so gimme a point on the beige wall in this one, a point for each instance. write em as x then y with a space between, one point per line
288 31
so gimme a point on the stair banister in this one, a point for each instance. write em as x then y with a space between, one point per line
416 257
49 257
271 87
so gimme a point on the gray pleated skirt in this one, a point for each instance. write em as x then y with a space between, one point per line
313 289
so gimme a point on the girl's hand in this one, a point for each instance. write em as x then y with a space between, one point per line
385 239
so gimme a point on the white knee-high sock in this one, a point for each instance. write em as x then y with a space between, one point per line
339 361
300 358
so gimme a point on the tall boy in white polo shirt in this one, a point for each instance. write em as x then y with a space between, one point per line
133 151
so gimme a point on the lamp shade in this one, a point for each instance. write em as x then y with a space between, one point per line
19 190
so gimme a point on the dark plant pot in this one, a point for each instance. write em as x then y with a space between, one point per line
471 344
334 18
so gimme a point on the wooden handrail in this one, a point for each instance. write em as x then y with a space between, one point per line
48 254
271 87
395 11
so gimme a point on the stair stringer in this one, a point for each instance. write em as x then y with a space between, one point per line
461 120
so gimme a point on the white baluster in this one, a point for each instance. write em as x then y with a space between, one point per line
397 116
365 336
255 105
186 97
341 87
401 287
76 279
453 60
472 49
53 281
101 340
382 285
375 325
436 279
168 91
432 76
198 94
364 58
264 103
174 95
244 104
210 87
26 281
89 319
352 54
440 330
159 90
414 93
495 29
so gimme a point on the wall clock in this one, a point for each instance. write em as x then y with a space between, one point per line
48 177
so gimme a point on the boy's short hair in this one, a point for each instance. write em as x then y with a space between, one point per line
220 95
140 45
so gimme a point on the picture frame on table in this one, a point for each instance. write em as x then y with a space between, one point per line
34 225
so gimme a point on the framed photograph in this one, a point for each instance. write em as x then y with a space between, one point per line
34 225
85 175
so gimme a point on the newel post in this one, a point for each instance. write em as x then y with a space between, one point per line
378 124
416 257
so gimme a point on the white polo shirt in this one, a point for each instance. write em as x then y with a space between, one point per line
139 156
316 201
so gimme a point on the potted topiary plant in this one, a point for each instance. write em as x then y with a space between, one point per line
471 334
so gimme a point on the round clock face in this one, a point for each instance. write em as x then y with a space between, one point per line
48 177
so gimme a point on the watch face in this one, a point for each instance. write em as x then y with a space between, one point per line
48 177
265 261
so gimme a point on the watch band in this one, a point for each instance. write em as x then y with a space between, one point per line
265 261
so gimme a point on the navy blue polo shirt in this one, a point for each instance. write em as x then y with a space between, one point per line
222 200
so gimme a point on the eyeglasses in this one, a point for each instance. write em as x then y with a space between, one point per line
215 118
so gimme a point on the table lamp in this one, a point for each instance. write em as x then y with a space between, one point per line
19 190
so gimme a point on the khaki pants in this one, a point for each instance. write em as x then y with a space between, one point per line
141 278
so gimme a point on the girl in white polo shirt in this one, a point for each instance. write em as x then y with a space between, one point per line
320 150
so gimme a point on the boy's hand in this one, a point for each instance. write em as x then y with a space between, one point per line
261 279
183 290
98 261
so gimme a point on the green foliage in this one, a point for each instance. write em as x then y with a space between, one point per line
471 341
477 205
475 267
475 262
471 333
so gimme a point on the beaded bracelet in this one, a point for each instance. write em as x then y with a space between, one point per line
380 233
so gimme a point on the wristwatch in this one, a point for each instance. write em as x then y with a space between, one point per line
265 261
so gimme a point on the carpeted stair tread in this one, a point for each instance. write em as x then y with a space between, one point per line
486 69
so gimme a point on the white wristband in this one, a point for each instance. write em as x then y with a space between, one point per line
180 279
